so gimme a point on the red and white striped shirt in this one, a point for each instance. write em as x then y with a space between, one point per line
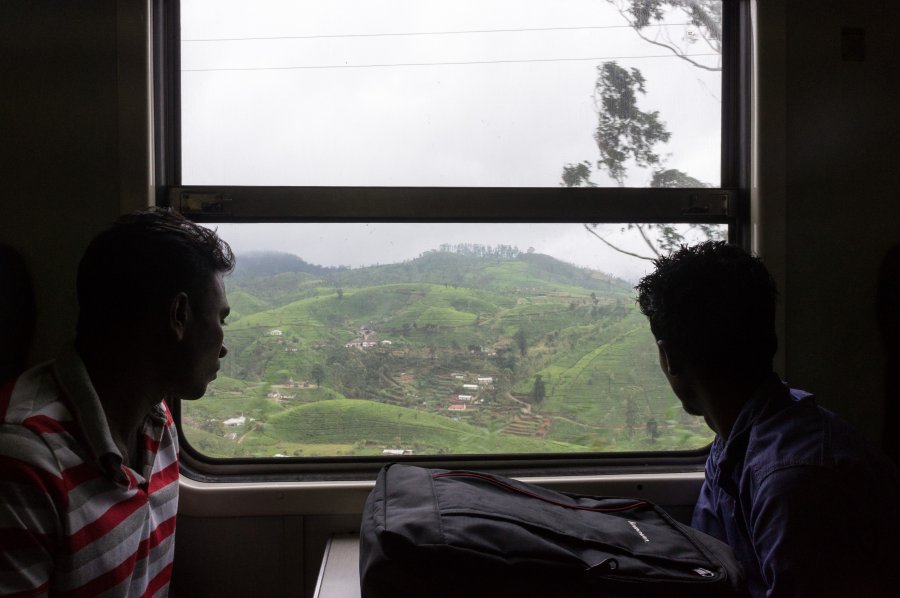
75 520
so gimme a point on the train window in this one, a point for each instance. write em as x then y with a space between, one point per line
440 211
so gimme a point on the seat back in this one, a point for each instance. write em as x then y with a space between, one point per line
17 313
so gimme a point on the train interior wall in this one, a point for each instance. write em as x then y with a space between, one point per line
827 208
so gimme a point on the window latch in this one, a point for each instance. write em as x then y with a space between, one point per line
194 202
713 204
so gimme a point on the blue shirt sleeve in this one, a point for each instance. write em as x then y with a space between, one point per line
705 517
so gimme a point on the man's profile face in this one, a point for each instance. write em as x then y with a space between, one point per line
202 346
679 387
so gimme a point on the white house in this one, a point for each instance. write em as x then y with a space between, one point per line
235 421
397 452
361 343
464 397
470 386
275 332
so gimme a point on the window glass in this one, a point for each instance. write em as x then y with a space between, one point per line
440 338
472 93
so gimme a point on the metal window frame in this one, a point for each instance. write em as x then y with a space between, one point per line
728 204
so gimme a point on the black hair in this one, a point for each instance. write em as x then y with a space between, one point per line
714 305
143 260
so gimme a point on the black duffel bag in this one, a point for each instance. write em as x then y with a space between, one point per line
439 533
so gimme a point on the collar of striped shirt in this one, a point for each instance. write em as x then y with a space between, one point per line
75 385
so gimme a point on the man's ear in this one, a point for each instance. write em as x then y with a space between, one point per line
179 315
667 360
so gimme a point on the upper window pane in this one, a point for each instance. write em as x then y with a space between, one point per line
481 93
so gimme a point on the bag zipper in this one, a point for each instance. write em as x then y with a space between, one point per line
466 474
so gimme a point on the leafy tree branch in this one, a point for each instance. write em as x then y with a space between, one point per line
623 130
626 135
704 15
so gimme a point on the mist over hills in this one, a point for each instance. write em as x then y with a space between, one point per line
458 266
270 263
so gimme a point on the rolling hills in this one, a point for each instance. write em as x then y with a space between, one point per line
441 354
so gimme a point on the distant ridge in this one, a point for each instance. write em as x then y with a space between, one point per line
437 266
269 263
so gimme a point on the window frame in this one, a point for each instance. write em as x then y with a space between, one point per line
728 204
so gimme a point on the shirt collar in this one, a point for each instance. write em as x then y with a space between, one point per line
727 453
76 386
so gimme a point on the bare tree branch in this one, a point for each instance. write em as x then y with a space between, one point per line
676 51
698 13
611 246
646 239
714 45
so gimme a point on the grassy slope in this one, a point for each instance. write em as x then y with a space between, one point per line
367 422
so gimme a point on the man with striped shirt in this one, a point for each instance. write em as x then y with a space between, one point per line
88 450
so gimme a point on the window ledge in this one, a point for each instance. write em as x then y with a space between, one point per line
230 499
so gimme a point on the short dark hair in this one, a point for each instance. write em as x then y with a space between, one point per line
143 260
714 304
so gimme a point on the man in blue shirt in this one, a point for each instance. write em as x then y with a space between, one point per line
808 506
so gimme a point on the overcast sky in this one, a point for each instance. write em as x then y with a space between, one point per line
422 93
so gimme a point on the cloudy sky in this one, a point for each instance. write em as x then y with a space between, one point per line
425 93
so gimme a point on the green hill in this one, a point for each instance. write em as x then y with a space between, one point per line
437 355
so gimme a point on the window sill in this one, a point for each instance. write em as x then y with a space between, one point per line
242 499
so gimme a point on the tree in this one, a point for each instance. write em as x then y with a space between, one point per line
630 415
673 179
625 134
539 390
623 130
652 430
521 342
318 374
505 358
340 293
577 175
